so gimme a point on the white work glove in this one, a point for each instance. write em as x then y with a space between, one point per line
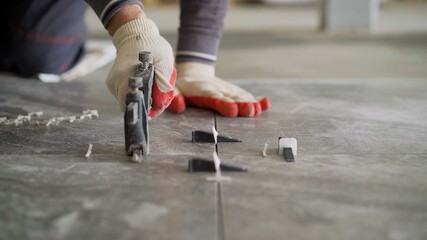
131 38
199 86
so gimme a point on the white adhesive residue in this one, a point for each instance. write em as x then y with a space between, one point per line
264 151
27 119
91 113
215 134
38 114
218 177
217 162
89 150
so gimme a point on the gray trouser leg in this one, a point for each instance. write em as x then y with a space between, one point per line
200 30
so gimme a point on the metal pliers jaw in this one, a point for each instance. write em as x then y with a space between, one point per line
138 106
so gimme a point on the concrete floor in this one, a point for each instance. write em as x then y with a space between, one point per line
355 102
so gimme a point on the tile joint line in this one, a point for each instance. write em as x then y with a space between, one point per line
220 220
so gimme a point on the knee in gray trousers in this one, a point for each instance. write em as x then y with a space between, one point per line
45 36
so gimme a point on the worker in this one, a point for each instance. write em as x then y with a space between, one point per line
48 36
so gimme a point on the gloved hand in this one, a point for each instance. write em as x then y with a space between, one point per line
131 38
199 86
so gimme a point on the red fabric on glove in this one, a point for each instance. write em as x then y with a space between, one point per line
265 103
161 100
178 104
227 109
